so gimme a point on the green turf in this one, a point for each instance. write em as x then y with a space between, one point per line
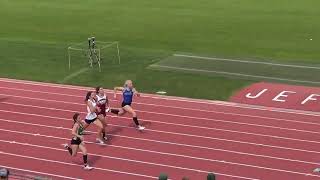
302 74
34 36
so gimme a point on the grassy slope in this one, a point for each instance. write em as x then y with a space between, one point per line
34 35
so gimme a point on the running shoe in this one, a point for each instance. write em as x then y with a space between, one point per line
317 170
87 167
100 141
141 128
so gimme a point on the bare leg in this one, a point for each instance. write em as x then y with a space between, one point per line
83 149
100 128
129 109
102 119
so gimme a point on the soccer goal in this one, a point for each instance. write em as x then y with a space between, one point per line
94 53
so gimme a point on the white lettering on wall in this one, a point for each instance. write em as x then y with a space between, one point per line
310 98
249 95
283 94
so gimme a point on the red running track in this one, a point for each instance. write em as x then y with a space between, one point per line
184 137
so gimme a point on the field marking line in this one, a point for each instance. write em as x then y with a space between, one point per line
71 76
70 164
176 124
233 74
129 160
165 106
38 172
246 61
171 98
187 145
171 166
145 150
217 129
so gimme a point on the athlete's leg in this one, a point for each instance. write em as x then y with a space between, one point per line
118 112
83 149
74 149
130 110
103 119
100 128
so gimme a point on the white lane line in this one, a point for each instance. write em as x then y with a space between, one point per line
172 107
38 172
171 98
176 167
174 115
232 74
246 61
162 142
198 136
71 164
133 161
218 139
71 76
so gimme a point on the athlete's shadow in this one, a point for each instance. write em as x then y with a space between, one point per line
146 124
3 99
93 159
111 134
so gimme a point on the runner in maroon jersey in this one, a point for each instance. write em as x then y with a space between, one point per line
103 104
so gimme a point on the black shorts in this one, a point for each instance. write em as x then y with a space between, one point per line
125 104
90 121
76 141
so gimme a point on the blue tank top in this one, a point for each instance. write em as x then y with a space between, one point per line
127 95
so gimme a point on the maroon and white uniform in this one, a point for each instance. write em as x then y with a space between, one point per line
102 102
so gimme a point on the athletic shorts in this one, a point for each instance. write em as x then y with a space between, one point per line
103 113
76 141
125 104
90 121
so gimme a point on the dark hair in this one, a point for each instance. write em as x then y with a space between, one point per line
88 95
4 173
97 89
75 117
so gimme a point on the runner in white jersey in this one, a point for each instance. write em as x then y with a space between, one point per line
91 116
103 104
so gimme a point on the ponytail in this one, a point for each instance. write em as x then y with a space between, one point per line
88 96
75 117
97 89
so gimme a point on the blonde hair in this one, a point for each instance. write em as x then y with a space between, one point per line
127 82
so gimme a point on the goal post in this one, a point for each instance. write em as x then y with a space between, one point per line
101 53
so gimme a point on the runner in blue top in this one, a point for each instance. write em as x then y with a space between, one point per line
128 91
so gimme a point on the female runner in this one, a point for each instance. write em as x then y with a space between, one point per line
77 141
103 104
128 91
92 116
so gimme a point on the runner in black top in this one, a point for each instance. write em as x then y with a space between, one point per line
77 141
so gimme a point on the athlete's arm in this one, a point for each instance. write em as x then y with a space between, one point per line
92 109
136 92
115 91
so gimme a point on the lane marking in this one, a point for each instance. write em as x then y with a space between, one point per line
163 142
37 172
128 160
218 139
199 136
170 98
72 164
175 107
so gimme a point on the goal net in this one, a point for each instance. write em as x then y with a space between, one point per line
93 54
